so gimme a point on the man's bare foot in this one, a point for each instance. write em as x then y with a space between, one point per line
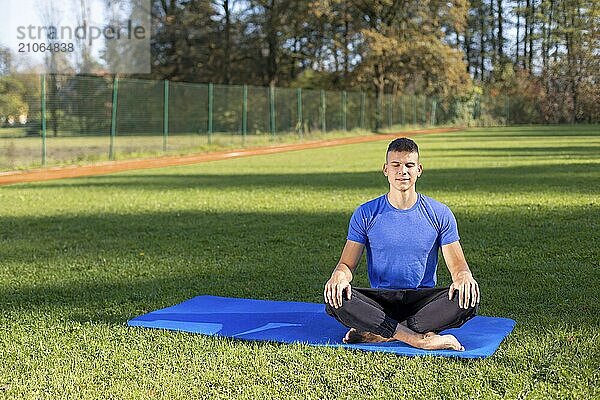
354 336
433 341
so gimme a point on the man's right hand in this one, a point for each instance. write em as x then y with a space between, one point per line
335 287
342 274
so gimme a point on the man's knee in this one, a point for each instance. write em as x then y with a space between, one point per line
464 313
330 310
348 310
444 314
333 311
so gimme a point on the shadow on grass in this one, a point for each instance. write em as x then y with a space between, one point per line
550 131
578 177
103 264
518 152
533 265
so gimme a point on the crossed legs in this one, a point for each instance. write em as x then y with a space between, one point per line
411 316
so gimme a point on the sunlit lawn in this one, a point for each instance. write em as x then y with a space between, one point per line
80 257
26 152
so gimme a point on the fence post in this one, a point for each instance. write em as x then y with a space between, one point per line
272 109
433 110
362 110
344 110
507 107
390 110
414 104
424 111
323 111
210 112
300 128
43 112
378 118
165 114
402 110
113 122
244 114
476 115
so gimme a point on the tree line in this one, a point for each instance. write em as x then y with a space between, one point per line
547 51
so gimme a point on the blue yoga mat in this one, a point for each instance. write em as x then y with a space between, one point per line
295 322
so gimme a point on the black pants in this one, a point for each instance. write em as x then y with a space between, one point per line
380 310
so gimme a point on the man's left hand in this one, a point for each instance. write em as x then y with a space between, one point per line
468 290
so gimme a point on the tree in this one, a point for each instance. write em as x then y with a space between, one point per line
6 61
405 48
184 40
12 98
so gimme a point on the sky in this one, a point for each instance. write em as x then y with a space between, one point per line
66 15
17 12
30 12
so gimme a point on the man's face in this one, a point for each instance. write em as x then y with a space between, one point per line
402 170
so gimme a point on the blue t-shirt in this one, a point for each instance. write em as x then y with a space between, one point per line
402 245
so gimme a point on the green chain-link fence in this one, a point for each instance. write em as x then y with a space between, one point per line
72 119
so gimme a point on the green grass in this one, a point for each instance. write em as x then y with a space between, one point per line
79 257
25 152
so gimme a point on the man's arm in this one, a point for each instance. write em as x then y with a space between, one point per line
462 279
342 274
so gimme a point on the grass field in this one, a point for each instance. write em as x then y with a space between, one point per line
25 152
79 257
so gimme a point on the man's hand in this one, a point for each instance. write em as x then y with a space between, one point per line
462 279
334 289
468 289
342 274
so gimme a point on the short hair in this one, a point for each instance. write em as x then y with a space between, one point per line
402 145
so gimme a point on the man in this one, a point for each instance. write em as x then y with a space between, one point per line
402 232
